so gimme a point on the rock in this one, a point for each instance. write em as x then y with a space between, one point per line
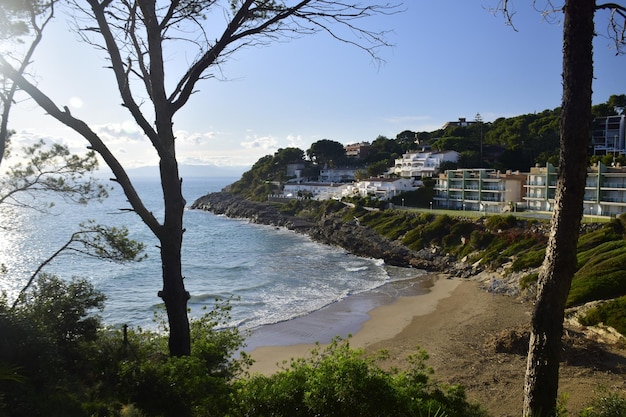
330 229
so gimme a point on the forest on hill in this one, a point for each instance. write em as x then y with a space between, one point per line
508 143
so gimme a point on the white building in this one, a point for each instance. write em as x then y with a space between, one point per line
337 174
314 190
422 164
608 135
381 188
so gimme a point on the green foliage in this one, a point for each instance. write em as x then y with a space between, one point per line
69 366
611 313
601 273
66 367
528 259
378 168
612 231
258 182
422 197
430 234
607 404
48 337
327 152
195 385
51 170
341 381
495 223
527 280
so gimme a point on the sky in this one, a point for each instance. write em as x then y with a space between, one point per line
449 59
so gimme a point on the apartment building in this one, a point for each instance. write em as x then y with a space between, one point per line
541 188
605 190
485 190
608 135
422 164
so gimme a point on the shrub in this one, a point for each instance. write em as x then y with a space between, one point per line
341 381
48 337
607 404
495 223
428 234
612 313
614 230
196 385
530 259
527 280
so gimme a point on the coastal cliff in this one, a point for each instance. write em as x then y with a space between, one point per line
330 229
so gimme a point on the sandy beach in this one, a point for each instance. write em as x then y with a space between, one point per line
367 319
456 322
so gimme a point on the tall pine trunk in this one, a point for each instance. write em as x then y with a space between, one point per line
542 372
170 237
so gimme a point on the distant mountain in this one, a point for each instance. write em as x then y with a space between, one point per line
185 171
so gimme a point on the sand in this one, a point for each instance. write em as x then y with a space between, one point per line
365 319
454 321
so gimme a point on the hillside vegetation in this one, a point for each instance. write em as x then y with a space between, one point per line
511 143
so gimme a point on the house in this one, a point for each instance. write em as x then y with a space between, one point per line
485 190
294 169
381 188
357 150
605 190
422 164
337 174
462 122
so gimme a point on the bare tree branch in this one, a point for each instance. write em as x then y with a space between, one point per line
94 140
34 12
93 240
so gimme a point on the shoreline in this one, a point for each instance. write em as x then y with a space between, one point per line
367 318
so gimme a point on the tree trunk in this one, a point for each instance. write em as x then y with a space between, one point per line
171 238
542 372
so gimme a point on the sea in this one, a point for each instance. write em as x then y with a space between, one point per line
268 274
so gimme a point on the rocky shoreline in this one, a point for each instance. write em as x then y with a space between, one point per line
351 236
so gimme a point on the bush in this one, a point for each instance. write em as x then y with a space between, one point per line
341 381
608 404
611 313
64 364
48 337
527 280
495 223
196 385
530 259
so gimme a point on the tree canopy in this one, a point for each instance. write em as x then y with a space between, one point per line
327 152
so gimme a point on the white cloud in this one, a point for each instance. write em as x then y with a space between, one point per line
76 102
120 132
264 142
296 141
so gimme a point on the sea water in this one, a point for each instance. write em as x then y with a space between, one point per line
270 274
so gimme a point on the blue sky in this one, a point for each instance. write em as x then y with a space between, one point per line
450 59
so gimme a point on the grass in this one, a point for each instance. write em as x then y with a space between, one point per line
601 274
